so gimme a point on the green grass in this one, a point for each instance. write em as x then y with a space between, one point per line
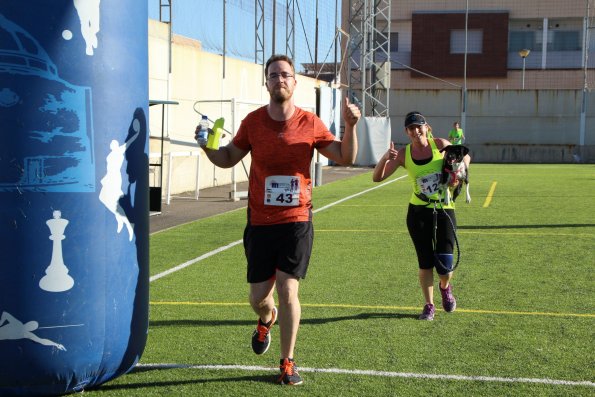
524 287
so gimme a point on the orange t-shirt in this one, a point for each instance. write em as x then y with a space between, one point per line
280 185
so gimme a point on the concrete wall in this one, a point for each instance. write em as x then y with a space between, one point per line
536 126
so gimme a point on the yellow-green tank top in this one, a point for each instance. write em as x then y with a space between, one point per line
426 177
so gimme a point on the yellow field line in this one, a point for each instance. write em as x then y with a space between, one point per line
373 205
490 195
360 231
368 307
459 231
536 234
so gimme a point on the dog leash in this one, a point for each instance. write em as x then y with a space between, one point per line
428 200
435 238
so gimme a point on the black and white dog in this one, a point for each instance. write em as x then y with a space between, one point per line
455 172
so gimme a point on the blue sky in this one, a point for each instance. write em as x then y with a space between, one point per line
203 20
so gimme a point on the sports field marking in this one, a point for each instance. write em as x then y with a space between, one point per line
384 374
193 261
372 307
359 194
233 244
375 205
482 232
361 231
490 195
189 222
536 234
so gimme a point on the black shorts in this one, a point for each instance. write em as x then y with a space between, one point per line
286 247
420 224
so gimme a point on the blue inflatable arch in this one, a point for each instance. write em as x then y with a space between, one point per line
73 193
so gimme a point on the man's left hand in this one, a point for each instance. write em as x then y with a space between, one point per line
351 113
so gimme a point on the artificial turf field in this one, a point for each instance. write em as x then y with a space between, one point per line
524 325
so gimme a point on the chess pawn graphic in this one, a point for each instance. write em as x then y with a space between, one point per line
56 277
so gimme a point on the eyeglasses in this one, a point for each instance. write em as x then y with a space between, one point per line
274 76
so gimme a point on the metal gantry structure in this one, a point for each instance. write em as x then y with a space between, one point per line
259 32
165 15
259 28
369 55
290 29
367 52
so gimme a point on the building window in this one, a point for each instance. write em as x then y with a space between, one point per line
474 41
394 42
564 41
519 40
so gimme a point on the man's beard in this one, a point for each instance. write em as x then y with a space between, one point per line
280 95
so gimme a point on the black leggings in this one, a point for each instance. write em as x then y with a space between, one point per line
420 224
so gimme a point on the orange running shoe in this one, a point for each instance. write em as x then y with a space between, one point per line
261 338
289 373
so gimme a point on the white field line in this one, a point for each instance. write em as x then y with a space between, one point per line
384 374
193 261
358 194
230 245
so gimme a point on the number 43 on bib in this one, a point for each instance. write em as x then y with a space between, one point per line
282 190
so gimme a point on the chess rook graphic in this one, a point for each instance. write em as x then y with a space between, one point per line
56 277
74 191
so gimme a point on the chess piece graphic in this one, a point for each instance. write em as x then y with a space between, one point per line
13 329
56 277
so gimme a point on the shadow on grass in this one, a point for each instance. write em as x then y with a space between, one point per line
199 323
361 316
269 379
304 321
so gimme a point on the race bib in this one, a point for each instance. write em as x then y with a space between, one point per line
282 190
429 184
